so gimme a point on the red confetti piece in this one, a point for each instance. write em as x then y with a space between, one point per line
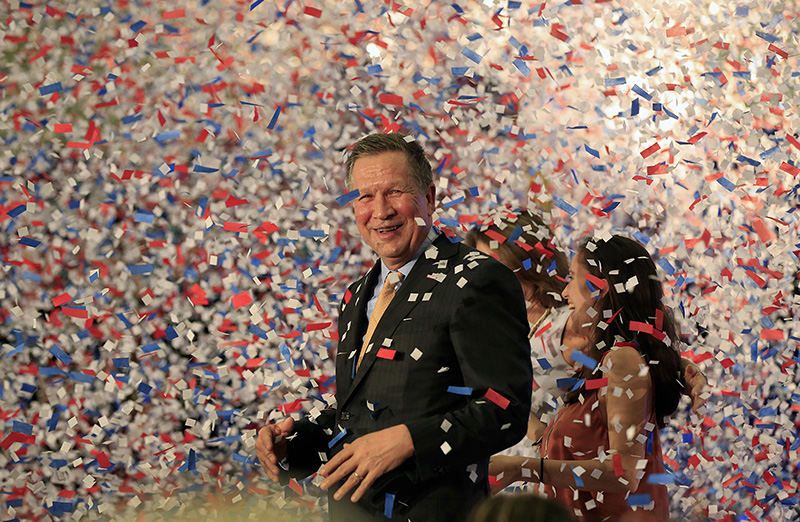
697 137
594 384
790 169
312 11
61 299
596 281
171 15
241 299
772 334
650 150
386 353
497 398
791 139
63 127
617 459
390 99
777 50
556 30
234 227
764 234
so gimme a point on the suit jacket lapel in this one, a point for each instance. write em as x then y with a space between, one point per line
417 282
354 312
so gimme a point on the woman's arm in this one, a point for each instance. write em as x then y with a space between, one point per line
628 401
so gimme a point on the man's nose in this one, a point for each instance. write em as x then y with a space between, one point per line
383 208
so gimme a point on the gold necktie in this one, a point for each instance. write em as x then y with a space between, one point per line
384 298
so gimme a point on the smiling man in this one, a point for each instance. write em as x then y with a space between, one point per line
433 371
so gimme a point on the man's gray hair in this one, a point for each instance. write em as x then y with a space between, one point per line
418 164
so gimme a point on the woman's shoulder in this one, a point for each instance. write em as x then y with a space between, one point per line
625 360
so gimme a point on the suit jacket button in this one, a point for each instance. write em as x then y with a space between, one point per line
345 416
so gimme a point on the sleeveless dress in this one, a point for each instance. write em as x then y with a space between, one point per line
569 437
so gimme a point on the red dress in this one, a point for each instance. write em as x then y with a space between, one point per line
584 443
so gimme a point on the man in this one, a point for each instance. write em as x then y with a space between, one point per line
433 370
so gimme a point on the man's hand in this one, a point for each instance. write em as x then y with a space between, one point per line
271 445
366 459
696 383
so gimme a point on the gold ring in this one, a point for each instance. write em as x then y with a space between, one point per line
357 476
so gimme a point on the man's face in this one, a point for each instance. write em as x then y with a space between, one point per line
388 206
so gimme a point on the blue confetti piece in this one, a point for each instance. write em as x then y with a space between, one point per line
61 355
21 427
453 202
729 186
374 69
641 237
287 356
50 89
459 71
274 118
584 359
138 26
591 151
203 170
641 499
121 362
168 135
388 505
610 207
255 4
337 438
660 478
544 363
472 55
578 480
750 161
16 211
522 67
150 348
766 36
635 107
190 464
312 233
742 10
141 269
29 241
526 264
666 266
473 191
132 118
258 332
653 71
613 82
641 92
143 217
563 205
344 199
460 390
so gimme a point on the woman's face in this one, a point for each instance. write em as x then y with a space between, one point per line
577 293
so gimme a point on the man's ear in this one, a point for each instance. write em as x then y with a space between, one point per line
430 197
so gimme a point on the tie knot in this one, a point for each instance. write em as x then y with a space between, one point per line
393 278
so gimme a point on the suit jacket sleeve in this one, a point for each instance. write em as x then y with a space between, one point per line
489 333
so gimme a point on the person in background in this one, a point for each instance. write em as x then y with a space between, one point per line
519 508
603 445
433 373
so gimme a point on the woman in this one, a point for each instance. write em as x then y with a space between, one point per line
524 243
603 444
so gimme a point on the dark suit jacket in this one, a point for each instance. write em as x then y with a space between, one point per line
450 359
